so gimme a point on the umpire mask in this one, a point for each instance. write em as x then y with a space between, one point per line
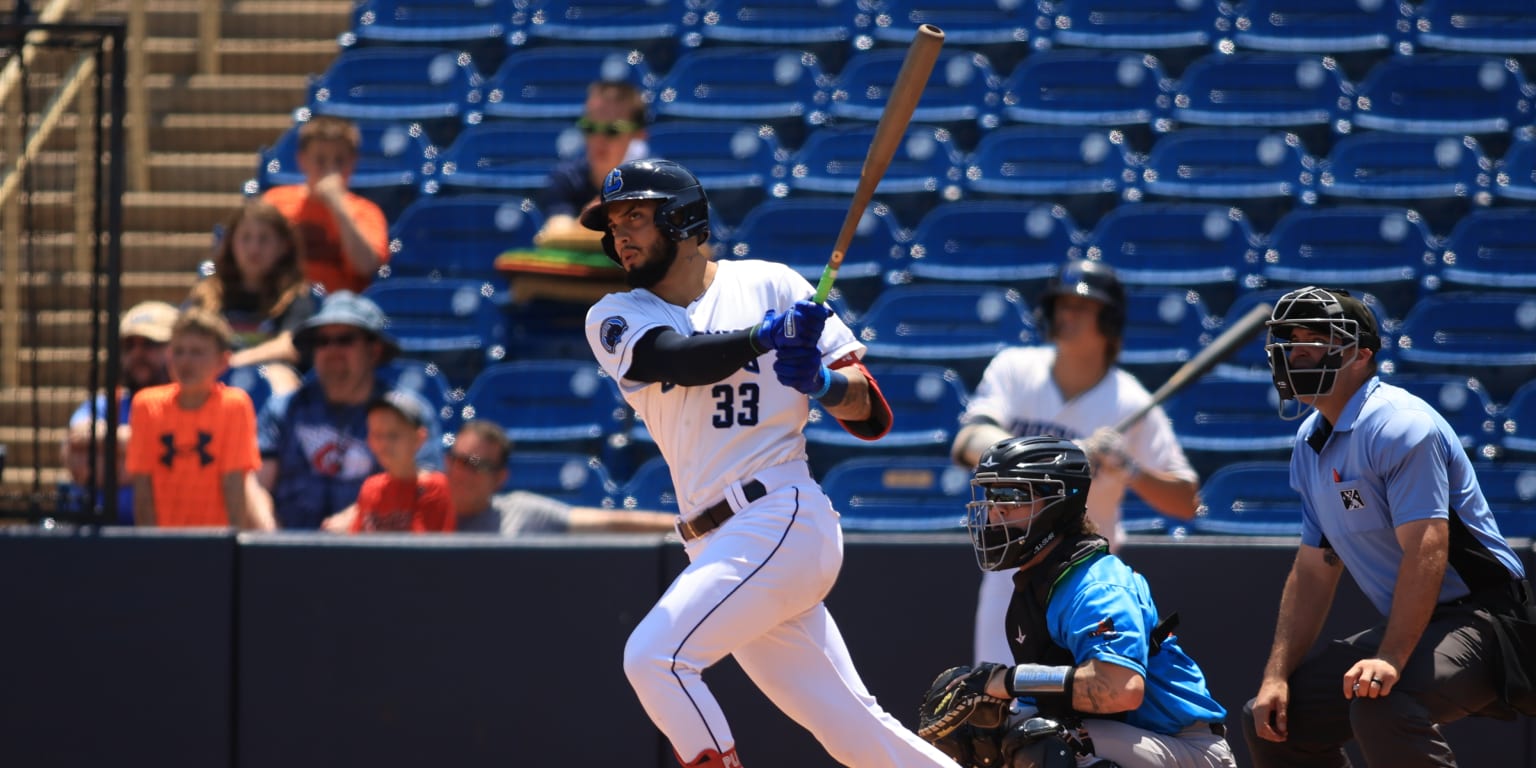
1026 492
1340 324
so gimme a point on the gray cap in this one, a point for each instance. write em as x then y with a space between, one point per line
348 308
406 405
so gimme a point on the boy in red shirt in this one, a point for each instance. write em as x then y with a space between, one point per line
193 445
402 497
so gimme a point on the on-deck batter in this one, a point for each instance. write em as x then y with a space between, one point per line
692 345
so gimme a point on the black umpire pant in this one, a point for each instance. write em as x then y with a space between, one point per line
1451 674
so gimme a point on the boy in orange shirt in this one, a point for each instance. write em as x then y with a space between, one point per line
401 498
345 235
193 445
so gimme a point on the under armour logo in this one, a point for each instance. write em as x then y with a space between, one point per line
1352 499
168 442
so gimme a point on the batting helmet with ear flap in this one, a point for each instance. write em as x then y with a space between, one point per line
684 209
1026 493
1091 280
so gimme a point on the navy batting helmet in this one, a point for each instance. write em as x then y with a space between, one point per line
684 209
1045 478
1092 280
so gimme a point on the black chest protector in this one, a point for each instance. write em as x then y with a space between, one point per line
1028 636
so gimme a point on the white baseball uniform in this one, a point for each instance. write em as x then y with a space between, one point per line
754 585
1017 393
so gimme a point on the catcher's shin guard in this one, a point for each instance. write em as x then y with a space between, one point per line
709 758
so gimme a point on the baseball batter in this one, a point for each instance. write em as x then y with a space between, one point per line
1073 389
718 359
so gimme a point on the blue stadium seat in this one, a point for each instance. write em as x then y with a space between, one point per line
427 380
1185 245
1446 94
650 487
394 160
801 232
927 401
779 87
1460 399
652 26
1515 182
1163 330
456 324
1251 362
1511 493
1138 517
962 93
574 478
1102 89
1265 173
1491 250
1483 27
1354 33
554 404
1383 251
899 494
1219 419
1301 93
1441 177
735 163
1518 430
252 379
999 29
823 28
1475 333
1176 30
1005 243
511 158
551 83
925 171
1251 498
1085 170
459 236
477 26
441 89
960 326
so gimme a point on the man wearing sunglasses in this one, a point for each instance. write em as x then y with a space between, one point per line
613 124
314 449
477 471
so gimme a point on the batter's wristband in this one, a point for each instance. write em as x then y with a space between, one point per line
834 387
1040 679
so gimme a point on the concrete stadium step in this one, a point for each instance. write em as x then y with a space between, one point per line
267 94
55 366
53 406
238 133
142 211
18 479
22 453
71 290
200 171
142 251
54 328
244 56
245 18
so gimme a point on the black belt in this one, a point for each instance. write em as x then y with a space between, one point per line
715 515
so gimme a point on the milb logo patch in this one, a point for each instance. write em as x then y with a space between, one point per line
1351 499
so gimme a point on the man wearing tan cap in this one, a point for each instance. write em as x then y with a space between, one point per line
143 335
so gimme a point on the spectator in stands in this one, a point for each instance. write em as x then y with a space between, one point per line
314 440
1073 389
193 448
613 122
258 286
1389 495
345 236
477 469
143 336
403 497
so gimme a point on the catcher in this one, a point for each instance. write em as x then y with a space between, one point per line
1100 681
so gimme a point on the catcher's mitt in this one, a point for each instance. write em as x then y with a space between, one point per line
958 696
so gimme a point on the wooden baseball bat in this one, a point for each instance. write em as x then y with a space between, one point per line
1218 350
909 85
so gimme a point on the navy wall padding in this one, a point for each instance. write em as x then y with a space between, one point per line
114 648
453 651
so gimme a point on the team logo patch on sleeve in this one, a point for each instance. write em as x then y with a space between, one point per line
1106 628
612 332
1351 499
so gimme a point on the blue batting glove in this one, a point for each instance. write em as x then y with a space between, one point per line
800 326
800 369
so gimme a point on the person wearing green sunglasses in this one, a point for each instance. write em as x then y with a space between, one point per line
613 124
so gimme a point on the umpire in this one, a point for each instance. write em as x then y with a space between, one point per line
1388 493
1107 678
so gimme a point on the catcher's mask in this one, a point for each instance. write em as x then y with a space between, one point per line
1091 280
1026 492
684 209
1344 325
